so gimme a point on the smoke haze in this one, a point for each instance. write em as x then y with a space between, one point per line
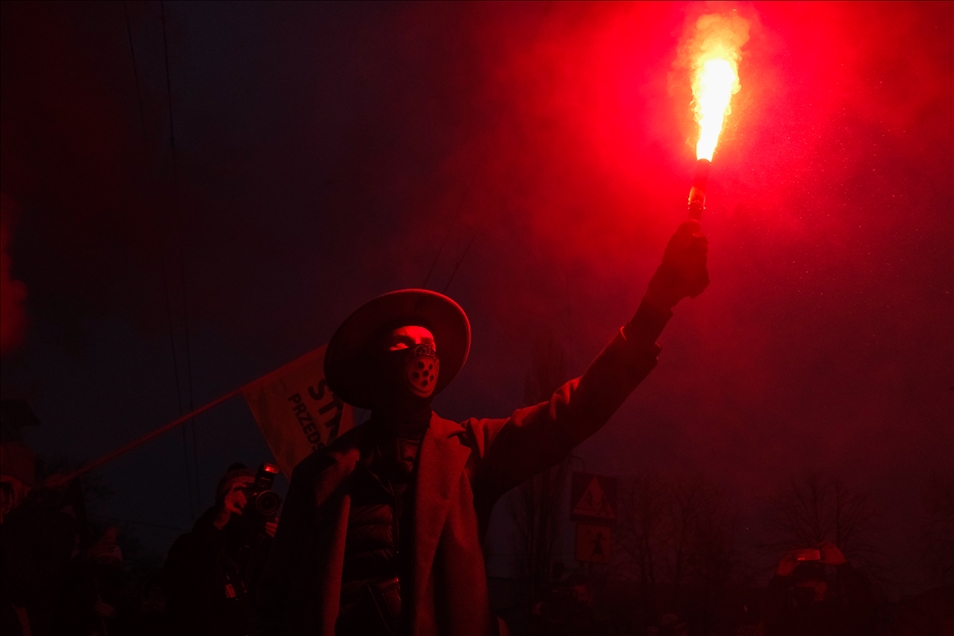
12 292
324 152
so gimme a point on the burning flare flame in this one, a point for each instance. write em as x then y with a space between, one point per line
715 83
713 49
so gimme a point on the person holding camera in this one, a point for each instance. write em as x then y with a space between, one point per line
211 573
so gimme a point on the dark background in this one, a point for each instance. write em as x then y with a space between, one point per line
324 151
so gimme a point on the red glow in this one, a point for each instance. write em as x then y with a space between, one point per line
711 50
12 292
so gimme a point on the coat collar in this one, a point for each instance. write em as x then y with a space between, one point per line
442 454
337 462
441 463
440 469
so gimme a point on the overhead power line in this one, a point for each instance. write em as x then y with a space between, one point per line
162 264
193 472
182 256
132 54
465 194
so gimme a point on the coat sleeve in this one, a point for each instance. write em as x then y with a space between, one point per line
511 450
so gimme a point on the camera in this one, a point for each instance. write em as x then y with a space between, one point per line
810 554
262 503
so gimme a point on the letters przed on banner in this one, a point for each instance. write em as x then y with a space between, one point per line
296 411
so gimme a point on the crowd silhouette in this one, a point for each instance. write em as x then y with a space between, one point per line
63 575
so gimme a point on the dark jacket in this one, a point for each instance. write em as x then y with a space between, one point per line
87 583
209 579
463 469
36 542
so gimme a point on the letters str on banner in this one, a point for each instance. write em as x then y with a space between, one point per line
296 411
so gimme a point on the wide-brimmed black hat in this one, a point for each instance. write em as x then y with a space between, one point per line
344 359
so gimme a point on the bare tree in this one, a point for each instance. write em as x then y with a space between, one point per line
640 536
676 538
937 530
713 560
535 504
814 510
684 508
701 526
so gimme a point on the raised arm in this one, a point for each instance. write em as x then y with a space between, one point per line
513 449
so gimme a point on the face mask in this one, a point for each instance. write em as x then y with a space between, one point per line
420 366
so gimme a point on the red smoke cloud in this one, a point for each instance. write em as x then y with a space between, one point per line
324 152
12 292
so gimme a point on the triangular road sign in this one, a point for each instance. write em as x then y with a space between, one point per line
594 503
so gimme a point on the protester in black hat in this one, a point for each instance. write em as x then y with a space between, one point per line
210 574
381 531
36 541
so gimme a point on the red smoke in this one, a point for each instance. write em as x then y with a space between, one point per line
12 292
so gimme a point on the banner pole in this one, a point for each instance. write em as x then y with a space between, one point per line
59 480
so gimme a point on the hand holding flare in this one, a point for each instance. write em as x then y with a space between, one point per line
683 272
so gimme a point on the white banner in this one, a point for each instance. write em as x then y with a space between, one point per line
296 410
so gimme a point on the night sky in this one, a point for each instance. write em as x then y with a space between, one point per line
324 151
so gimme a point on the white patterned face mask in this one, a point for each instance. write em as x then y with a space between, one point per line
411 366
421 368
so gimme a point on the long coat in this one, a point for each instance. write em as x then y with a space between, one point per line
463 468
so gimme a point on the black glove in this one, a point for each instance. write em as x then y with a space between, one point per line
682 273
683 270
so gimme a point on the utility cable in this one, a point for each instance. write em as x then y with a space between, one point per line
182 257
175 368
473 182
165 282
165 51
461 259
132 54
465 196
